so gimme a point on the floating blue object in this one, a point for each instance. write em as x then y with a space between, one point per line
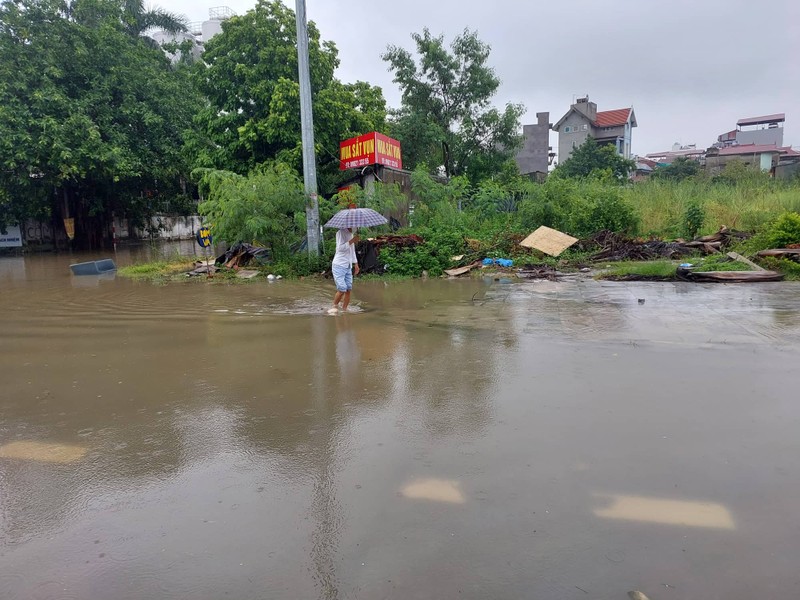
94 267
686 265
488 261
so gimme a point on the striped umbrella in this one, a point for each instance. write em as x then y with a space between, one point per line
351 218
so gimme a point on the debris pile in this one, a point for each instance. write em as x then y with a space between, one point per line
538 271
612 246
240 255
368 250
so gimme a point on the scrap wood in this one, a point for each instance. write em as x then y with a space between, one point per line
547 240
461 270
728 276
745 260
541 271
614 246
397 241
791 253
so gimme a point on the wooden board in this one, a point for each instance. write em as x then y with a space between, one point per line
461 270
734 276
549 241
745 260
780 252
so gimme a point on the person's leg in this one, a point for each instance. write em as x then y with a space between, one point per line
348 282
340 279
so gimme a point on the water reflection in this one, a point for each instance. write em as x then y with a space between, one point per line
268 450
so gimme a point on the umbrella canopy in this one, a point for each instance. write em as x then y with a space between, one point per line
356 217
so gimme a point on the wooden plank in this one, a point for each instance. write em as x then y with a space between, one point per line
745 260
461 270
547 240
780 252
733 276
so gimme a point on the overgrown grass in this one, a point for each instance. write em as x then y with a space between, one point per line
656 270
157 269
663 205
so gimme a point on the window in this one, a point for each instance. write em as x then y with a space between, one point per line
585 127
567 129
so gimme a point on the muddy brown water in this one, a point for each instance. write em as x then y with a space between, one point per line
452 439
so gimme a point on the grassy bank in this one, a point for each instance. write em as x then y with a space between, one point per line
157 269
662 206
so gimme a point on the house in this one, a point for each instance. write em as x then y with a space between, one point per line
767 157
766 130
606 127
535 156
667 157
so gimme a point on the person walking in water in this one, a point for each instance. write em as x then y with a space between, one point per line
344 261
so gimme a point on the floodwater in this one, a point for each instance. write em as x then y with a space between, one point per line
472 439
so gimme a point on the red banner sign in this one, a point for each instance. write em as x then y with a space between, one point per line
370 149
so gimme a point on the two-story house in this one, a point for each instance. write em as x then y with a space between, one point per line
606 127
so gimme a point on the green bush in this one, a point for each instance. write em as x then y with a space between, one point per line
693 219
779 233
434 256
784 231
577 207
266 207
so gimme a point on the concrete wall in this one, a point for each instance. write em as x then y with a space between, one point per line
171 228
760 136
762 160
160 227
532 157
572 134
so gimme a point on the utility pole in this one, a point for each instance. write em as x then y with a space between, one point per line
307 132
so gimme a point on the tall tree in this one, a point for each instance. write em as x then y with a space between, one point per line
137 20
446 119
91 119
249 77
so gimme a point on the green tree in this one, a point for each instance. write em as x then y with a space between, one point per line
593 160
680 169
91 119
138 20
259 208
446 119
249 77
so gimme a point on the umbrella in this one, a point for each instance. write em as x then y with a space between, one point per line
356 217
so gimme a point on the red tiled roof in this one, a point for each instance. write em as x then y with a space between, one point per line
612 118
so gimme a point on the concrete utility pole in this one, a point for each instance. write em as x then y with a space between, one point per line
307 132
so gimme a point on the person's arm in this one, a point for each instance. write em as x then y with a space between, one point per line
353 257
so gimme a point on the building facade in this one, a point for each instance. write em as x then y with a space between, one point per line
610 127
763 131
535 155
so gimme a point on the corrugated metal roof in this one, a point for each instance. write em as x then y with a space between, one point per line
750 149
612 118
776 118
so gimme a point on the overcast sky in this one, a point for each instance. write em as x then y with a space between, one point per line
690 68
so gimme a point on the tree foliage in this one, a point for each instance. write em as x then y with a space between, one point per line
250 79
264 207
593 160
446 119
91 119
680 169
137 19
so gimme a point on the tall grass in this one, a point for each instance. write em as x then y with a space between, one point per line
662 205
